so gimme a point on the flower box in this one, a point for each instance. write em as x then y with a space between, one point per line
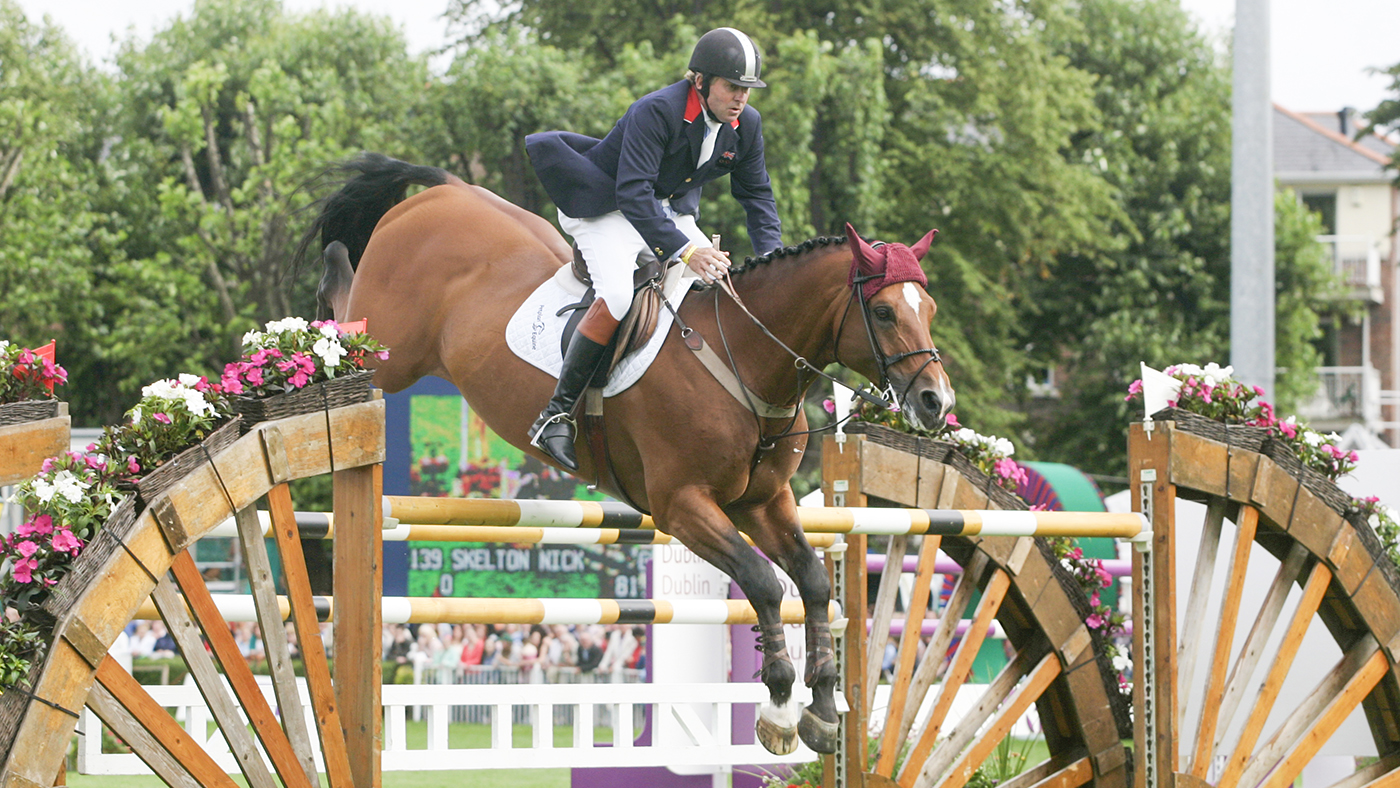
150 486
1240 436
27 411
350 389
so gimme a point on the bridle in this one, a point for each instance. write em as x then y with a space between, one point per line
885 362
885 397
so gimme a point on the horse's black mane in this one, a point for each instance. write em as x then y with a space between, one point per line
788 251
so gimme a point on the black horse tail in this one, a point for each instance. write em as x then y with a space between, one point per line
350 214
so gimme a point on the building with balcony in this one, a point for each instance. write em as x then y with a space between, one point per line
1345 181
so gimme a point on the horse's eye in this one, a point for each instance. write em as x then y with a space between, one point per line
884 313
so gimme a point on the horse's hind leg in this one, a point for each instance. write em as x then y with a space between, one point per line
698 522
777 532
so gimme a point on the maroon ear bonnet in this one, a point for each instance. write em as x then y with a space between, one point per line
897 262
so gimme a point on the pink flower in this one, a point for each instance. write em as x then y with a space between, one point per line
230 383
1135 387
1259 392
162 418
95 462
43 524
23 571
27 548
1076 553
254 376
65 541
132 466
1094 621
1105 578
952 420
382 355
1353 457
828 405
47 465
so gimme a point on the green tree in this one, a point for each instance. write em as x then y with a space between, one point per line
45 219
1164 296
230 111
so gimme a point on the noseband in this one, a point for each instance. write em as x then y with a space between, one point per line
884 361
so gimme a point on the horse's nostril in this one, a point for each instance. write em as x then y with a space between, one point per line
931 402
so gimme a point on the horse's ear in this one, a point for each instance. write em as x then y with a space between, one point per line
921 248
866 257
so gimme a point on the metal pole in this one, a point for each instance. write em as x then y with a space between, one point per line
1252 202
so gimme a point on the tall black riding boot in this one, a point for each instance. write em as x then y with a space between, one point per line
553 432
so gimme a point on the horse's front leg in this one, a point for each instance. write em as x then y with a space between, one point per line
693 517
777 532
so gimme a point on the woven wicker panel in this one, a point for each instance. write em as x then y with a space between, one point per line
89 563
176 468
29 410
336 393
13 705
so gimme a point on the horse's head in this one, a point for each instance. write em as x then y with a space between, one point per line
895 349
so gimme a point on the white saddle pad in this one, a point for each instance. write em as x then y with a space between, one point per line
534 331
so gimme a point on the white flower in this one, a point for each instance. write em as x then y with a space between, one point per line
195 402
187 379
1004 447
286 324
330 332
3 344
135 414
330 351
68 486
253 340
1190 370
1216 374
165 389
1312 437
43 490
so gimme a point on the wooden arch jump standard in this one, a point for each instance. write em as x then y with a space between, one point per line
348 442
1055 666
1202 720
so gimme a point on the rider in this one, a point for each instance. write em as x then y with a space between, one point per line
637 193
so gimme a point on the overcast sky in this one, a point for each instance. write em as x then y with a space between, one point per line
1320 50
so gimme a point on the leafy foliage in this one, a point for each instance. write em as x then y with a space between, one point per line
1075 157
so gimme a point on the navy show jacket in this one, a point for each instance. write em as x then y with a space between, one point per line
649 156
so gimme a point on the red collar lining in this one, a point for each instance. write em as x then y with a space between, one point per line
692 107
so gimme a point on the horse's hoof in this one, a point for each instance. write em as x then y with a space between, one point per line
775 729
818 735
779 741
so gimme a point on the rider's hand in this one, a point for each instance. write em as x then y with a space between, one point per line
710 263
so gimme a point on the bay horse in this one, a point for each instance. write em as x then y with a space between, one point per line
439 274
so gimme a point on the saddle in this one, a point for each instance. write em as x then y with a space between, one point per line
636 328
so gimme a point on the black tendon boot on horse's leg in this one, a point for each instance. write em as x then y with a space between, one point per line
820 723
553 432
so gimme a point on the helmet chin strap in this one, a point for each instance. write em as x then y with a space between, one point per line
704 91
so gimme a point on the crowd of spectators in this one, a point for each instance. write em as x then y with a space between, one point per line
446 653
532 653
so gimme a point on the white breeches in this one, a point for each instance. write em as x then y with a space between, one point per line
611 245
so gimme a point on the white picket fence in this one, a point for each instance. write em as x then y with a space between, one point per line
699 743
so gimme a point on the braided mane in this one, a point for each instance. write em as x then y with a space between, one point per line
777 254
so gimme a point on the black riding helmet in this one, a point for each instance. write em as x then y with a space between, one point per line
729 54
